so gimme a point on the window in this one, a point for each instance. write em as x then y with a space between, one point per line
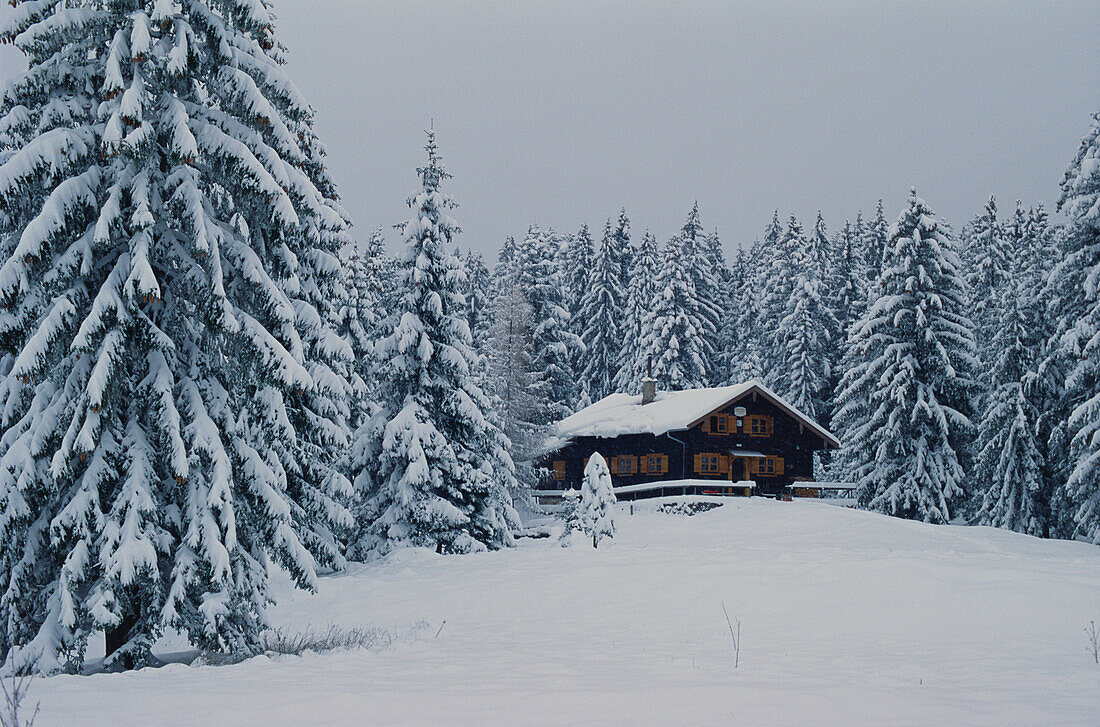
717 424
623 464
759 426
558 472
767 466
654 464
706 464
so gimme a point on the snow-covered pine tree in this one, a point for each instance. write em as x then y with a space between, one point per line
704 263
570 517
875 234
621 248
904 403
518 391
597 505
554 346
638 303
673 327
479 302
1010 464
804 375
775 291
987 262
602 316
846 286
739 335
819 250
356 323
753 321
578 259
1075 343
173 393
433 470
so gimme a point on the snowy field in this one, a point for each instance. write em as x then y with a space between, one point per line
847 618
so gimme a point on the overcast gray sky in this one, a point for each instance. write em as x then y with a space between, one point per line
563 112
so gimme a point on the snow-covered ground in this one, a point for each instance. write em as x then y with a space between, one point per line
847 618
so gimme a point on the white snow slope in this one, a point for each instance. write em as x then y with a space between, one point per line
847 618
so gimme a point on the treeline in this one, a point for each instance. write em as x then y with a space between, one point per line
958 368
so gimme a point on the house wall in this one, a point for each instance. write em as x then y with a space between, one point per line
787 440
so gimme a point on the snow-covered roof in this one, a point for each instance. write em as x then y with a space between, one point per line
620 414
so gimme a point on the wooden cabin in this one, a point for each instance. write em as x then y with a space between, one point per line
727 440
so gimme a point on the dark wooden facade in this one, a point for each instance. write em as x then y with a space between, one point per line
706 450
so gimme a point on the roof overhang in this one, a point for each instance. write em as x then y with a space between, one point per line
757 388
746 453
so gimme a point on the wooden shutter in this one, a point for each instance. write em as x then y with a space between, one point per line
706 425
699 463
769 427
664 464
754 465
723 464
643 465
559 469
779 465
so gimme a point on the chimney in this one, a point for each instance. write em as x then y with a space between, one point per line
649 384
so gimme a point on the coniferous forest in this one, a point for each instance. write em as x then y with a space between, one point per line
206 372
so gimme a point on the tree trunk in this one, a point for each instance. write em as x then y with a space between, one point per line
595 543
117 637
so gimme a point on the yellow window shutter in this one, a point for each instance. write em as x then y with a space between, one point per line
698 463
643 465
770 425
779 465
706 425
664 464
723 464
754 465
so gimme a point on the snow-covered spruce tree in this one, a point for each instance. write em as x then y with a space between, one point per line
597 505
1010 463
705 264
1076 341
741 360
570 517
358 323
639 300
173 394
554 347
621 248
673 328
804 376
577 260
987 262
433 470
602 314
845 286
819 249
775 292
517 390
904 403
478 294
748 304
875 234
